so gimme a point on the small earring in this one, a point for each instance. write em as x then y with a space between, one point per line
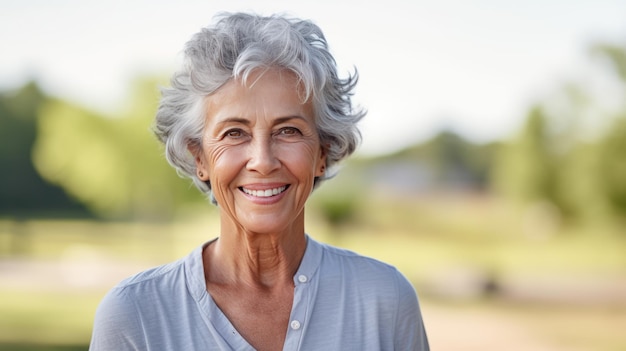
200 174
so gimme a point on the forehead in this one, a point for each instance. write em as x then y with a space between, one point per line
271 93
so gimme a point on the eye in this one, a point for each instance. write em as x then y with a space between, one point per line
233 133
288 131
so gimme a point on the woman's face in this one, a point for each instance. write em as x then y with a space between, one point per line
261 152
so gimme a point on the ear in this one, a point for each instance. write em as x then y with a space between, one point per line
321 166
201 170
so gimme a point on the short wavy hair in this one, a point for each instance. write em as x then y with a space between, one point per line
232 48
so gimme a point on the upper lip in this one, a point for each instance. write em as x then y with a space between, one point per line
263 186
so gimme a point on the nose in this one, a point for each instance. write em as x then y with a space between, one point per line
262 156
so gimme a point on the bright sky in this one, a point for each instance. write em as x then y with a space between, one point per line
470 65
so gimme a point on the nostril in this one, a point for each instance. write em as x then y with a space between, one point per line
263 159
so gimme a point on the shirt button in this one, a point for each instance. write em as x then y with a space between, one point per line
302 278
295 325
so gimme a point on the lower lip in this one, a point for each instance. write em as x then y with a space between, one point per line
265 200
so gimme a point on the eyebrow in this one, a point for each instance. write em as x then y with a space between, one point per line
246 122
233 120
288 118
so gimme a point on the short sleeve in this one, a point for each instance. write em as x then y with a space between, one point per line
410 333
117 325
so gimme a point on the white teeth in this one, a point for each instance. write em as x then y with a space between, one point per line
265 193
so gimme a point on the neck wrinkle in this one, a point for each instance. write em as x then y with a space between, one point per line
262 261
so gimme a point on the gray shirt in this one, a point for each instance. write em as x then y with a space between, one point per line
342 301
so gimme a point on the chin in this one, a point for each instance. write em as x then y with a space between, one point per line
266 224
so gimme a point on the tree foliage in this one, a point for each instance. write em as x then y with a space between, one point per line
525 167
113 164
23 192
555 159
612 166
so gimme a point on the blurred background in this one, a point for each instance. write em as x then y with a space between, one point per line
492 171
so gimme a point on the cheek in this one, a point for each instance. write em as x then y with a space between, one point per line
222 160
302 159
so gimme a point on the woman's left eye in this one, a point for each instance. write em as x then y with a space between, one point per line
288 131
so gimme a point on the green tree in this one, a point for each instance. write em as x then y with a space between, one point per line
113 164
612 167
572 150
23 192
612 149
594 182
525 167
614 55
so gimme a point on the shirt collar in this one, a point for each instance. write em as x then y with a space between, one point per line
310 261
195 267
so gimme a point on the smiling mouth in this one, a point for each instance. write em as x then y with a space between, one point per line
264 193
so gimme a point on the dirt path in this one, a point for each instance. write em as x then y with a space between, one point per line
451 329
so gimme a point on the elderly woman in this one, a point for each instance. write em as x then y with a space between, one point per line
257 117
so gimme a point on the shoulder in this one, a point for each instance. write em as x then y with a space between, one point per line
150 276
355 263
376 291
117 325
122 298
122 314
365 272
377 288
151 287
348 256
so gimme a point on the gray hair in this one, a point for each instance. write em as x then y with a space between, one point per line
233 47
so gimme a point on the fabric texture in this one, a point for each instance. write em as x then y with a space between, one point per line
342 301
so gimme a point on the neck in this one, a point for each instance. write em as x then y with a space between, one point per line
263 260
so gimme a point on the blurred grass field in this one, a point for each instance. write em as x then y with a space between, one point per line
489 277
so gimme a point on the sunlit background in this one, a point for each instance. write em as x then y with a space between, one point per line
492 171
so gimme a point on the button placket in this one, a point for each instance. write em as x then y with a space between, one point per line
296 322
298 316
